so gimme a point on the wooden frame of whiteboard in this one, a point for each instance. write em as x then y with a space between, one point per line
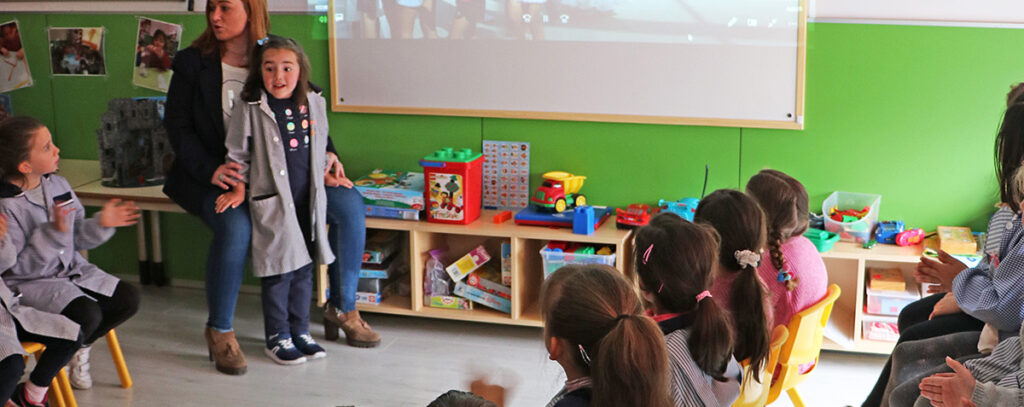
796 124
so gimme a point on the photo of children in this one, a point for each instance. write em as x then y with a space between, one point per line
154 50
6 111
14 72
77 51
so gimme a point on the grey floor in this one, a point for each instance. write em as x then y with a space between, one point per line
419 359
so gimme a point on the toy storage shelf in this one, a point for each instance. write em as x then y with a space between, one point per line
527 268
847 265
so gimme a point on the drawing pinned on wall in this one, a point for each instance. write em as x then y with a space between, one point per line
14 73
77 51
154 50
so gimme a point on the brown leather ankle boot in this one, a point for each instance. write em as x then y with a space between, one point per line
357 332
223 349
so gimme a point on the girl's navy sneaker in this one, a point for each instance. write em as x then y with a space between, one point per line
305 343
280 349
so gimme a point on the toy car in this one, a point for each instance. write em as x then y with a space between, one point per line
887 231
635 215
910 237
559 191
685 207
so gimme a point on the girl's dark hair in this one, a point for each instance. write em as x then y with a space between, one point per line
678 266
456 398
160 33
740 223
1016 94
785 204
15 139
254 83
259 26
594 307
1009 153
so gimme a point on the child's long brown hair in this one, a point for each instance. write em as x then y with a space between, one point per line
595 308
784 201
740 223
674 260
15 144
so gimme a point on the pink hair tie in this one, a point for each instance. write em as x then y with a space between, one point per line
647 253
703 294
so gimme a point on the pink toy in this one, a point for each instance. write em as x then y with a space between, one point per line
910 237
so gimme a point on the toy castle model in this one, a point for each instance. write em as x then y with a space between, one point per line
133 146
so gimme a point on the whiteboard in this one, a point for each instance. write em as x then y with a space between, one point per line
976 11
723 63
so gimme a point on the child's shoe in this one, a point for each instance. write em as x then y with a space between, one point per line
280 349
20 398
79 369
305 343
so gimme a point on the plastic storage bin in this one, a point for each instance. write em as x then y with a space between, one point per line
859 231
554 260
890 302
454 185
880 329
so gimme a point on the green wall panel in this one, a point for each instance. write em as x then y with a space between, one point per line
906 112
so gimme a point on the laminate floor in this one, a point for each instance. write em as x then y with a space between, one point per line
418 360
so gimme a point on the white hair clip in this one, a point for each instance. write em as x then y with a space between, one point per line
747 258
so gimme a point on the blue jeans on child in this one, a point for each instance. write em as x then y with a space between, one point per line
225 265
286 302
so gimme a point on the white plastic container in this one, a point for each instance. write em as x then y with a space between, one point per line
555 260
859 231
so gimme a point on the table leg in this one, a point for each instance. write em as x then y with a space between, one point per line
157 265
145 277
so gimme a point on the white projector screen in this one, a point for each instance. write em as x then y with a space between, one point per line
723 62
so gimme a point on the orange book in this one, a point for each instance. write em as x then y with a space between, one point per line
956 240
889 279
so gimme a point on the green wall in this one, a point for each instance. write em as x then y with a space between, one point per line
903 111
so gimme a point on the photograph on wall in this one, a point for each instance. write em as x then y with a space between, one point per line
6 111
154 50
77 51
14 72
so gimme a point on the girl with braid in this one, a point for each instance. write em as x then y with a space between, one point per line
791 268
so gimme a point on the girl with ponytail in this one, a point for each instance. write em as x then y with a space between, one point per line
674 261
595 328
791 268
737 286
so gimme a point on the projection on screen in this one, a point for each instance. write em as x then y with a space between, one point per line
647 21
719 59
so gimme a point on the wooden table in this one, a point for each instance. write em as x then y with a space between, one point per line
84 177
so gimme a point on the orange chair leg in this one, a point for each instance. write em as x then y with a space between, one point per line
115 353
795 397
65 388
56 395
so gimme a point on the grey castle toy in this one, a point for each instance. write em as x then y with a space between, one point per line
133 146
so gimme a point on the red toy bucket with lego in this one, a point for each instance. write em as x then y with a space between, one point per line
454 185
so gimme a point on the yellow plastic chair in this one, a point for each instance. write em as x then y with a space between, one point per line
806 331
753 393
118 357
60 388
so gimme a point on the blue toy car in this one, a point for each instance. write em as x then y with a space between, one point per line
685 207
887 230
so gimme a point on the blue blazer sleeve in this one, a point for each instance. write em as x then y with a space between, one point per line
179 118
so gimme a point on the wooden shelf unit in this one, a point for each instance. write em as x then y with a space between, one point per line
527 268
847 265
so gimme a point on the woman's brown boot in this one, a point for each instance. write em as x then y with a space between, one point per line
223 349
357 332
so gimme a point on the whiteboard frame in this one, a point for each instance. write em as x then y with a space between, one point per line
797 123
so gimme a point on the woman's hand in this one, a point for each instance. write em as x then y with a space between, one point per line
946 306
941 271
117 213
226 175
949 389
334 173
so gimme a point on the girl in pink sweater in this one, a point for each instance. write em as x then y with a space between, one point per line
792 269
